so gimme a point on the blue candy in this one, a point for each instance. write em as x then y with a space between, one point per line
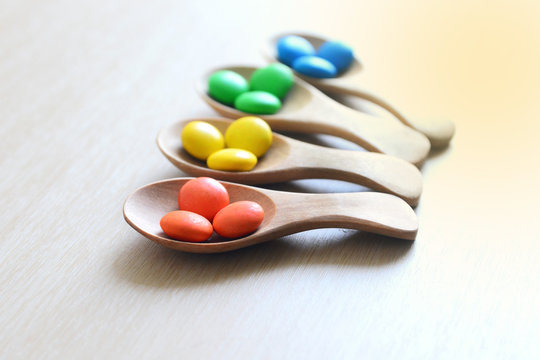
337 53
314 66
291 47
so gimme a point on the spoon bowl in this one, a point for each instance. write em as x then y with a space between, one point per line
290 159
285 213
439 131
308 110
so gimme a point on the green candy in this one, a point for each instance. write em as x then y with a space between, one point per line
225 86
257 102
275 78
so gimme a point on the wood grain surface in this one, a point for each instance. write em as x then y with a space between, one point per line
86 86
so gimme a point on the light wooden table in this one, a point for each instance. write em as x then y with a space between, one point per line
84 89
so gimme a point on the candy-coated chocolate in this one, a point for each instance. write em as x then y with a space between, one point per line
238 219
314 66
231 159
337 53
226 85
186 226
204 196
250 133
275 78
200 139
291 47
258 102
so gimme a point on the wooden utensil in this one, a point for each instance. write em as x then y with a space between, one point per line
285 213
290 159
308 110
439 131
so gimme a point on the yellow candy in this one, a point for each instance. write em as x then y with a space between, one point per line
200 139
232 160
249 133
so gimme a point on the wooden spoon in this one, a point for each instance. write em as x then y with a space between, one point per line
285 213
289 159
438 130
308 110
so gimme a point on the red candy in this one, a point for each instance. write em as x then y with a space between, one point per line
238 219
204 196
186 226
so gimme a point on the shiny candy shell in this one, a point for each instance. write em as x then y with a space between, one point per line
275 78
231 159
291 47
249 133
225 86
186 226
258 102
337 53
204 196
238 219
314 66
200 139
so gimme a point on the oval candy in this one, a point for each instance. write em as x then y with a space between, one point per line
231 159
238 219
258 102
275 78
186 226
225 86
291 47
337 53
249 133
314 66
204 196
200 139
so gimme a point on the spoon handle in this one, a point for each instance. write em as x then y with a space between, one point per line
376 134
439 131
379 172
378 213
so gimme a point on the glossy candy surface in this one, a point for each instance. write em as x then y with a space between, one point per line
275 78
186 226
314 66
249 133
291 47
204 196
225 86
238 219
258 102
231 159
200 139
339 54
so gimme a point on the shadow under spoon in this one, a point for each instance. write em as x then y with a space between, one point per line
290 159
285 213
308 110
439 130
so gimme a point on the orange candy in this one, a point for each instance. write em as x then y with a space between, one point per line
202 200
204 196
186 226
238 219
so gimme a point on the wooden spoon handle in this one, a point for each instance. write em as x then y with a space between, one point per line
377 134
379 172
439 131
378 213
